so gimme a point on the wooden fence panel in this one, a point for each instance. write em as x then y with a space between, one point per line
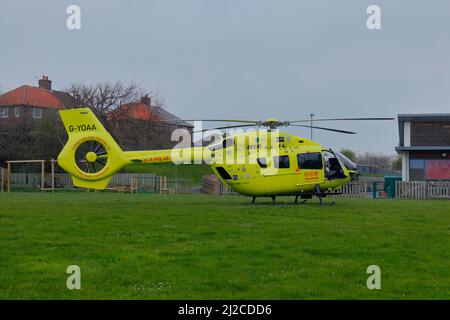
145 182
2 179
354 190
422 190
438 190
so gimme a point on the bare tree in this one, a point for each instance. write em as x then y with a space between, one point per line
378 160
111 102
105 97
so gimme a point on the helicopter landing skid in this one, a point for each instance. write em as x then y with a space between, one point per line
305 196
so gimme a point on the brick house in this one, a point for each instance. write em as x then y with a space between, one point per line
424 146
33 103
144 125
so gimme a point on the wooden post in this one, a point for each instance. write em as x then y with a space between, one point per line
53 175
2 178
9 177
42 175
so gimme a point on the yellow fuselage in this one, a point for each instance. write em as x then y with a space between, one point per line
241 171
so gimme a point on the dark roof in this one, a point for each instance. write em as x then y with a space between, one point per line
430 117
423 148
38 97
433 117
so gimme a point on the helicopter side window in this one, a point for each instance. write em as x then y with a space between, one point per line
281 162
262 162
310 160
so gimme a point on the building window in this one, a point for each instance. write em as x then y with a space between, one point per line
281 162
37 113
4 113
17 112
417 163
310 160
416 169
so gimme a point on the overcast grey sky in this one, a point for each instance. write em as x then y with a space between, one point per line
250 59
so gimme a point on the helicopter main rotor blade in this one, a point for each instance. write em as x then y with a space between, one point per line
323 128
340 119
228 127
212 120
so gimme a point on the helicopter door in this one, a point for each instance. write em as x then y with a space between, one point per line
310 168
333 168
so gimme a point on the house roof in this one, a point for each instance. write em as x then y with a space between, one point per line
423 148
37 97
141 111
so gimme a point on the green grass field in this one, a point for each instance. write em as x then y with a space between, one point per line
149 246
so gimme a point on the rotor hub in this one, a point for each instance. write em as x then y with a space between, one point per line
273 123
91 156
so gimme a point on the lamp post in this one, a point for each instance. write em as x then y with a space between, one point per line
311 115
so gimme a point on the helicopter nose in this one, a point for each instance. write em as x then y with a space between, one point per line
353 174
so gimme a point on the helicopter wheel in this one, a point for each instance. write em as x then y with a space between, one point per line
91 157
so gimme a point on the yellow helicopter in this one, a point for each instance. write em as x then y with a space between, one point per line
256 163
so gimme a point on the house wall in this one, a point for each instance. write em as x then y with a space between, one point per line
25 113
405 166
425 133
420 131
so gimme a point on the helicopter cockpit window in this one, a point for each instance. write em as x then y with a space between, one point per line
281 162
311 160
262 162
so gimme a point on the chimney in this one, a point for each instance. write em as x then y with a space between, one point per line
44 83
146 100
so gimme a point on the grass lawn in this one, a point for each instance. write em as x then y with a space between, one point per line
148 246
194 171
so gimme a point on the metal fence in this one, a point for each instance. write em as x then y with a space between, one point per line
422 189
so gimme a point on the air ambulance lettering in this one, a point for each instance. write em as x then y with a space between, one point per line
82 128
311 175
156 159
